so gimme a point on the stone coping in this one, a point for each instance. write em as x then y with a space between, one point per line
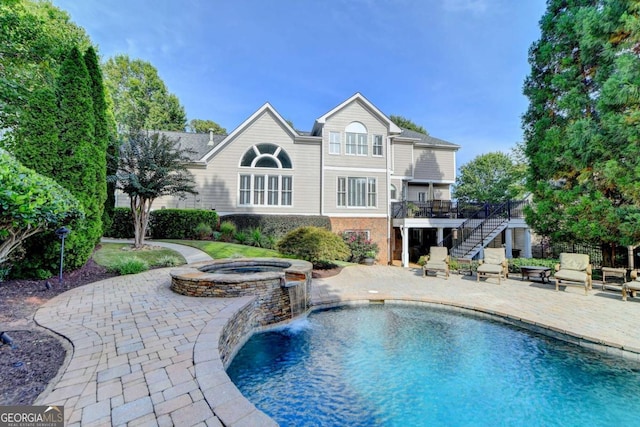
198 272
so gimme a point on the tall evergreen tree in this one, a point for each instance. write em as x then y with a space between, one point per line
36 138
102 132
581 136
75 169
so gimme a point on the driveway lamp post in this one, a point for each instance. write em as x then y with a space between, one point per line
62 232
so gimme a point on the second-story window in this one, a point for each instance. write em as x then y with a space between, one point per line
334 143
356 139
356 192
377 145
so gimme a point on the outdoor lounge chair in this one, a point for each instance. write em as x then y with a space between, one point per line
631 287
437 260
574 269
493 264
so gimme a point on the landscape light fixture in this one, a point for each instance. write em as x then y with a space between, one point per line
62 232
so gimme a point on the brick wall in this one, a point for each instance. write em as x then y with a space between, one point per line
377 228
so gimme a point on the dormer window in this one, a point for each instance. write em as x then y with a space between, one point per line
356 139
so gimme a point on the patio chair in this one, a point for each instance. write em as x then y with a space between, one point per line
437 260
630 288
574 269
493 264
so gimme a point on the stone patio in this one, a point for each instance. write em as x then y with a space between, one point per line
143 355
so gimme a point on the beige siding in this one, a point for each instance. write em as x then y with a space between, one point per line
434 164
354 112
403 159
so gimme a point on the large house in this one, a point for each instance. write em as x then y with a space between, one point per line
355 166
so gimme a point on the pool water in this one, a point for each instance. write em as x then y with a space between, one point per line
414 366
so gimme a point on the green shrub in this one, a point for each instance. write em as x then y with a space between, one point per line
122 224
516 263
256 238
316 245
167 261
360 246
129 265
178 223
241 237
227 231
276 225
203 231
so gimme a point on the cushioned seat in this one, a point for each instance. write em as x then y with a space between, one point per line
574 269
631 287
494 263
437 260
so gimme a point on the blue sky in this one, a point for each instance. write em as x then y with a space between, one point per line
455 67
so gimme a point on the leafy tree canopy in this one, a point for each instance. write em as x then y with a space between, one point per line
34 38
582 126
204 126
490 178
29 204
405 123
151 166
141 100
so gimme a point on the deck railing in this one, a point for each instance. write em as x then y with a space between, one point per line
452 209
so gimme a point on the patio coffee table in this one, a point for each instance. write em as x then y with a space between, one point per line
533 270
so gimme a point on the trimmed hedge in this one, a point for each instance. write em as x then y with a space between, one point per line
180 223
164 223
122 224
276 225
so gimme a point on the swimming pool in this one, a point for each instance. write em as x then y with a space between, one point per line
400 365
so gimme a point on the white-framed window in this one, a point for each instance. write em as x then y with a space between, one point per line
356 142
334 143
377 145
258 190
245 190
265 189
393 192
342 192
357 192
287 191
272 191
362 144
422 196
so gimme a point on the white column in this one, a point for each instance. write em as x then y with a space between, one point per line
527 243
440 235
508 242
404 232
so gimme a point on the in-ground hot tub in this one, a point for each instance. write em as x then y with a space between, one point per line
282 286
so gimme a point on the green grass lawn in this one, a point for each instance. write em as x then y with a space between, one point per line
227 250
112 253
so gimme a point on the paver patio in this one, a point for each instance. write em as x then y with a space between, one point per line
143 355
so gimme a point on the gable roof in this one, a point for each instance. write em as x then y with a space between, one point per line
393 128
265 108
198 143
422 138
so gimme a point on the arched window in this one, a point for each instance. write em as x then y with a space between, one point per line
356 139
265 189
266 156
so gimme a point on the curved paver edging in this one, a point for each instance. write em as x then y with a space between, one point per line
142 353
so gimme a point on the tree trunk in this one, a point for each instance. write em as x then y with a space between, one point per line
140 208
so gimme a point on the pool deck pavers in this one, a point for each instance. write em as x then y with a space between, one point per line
143 355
